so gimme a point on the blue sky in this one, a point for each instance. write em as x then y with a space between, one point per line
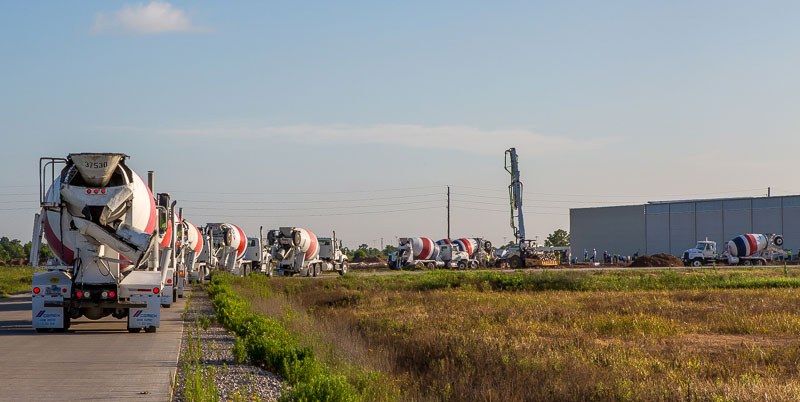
607 102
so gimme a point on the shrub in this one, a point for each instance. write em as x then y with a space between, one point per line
266 342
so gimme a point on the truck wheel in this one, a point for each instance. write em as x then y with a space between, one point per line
515 262
473 264
150 330
697 262
747 263
759 262
462 265
343 270
430 265
134 330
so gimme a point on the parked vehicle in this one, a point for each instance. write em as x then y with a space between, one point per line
99 218
746 249
415 250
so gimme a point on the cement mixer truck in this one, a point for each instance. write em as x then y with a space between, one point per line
167 236
295 251
747 249
226 248
193 247
464 253
99 219
415 250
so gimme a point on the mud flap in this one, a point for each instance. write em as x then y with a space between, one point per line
146 317
46 317
47 306
166 295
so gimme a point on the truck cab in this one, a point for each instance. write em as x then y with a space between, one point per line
455 258
704 251
330 252
257 256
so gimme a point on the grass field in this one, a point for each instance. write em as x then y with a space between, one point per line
488 336
15 280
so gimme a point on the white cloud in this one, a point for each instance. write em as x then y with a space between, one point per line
151 18
454 138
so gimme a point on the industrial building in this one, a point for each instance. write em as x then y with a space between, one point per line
674 226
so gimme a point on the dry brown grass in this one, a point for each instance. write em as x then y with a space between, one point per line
483 345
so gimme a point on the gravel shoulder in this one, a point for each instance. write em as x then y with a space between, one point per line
233 381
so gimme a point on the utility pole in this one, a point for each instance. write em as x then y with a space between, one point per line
448 212
769 191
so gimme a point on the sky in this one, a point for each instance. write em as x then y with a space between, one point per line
356 116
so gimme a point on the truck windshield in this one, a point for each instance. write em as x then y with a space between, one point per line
702 246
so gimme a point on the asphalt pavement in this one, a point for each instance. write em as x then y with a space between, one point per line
93 361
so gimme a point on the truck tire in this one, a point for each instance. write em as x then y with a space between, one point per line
760 262
747 263
462 265
150 330
430 265
134 330
343 269
697 262
315 270
473 264
515 262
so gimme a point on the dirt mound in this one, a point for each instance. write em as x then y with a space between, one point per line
657 260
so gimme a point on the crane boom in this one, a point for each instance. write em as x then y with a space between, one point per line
515 195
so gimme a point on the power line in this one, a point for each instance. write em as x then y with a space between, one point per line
318 215
620 195
541 200
310 202
310 192
312 208
500 205
506 211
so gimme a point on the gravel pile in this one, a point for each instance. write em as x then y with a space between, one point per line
234 381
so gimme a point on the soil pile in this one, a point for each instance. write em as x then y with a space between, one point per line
657 260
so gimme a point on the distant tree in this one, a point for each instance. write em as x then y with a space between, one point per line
13 248
360 254
45 252
389 249
559 238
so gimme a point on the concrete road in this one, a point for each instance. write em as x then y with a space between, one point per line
95 360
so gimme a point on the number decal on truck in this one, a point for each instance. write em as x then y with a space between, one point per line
95 165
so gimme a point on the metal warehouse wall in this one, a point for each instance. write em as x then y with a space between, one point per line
676 226
618 230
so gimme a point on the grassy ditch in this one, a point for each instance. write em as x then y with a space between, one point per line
631 335
15 280
267 342
198 377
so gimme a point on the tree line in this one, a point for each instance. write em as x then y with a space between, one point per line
14 250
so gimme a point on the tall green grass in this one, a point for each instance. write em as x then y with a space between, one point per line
15 280
266 342
198 377
535 280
